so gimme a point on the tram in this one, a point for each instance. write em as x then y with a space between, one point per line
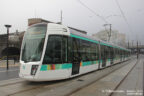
53 51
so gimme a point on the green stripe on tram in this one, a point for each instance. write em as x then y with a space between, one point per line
56 66
43 68
65 65
101 43
83 38
69 65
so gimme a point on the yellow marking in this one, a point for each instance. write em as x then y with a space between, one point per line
49 67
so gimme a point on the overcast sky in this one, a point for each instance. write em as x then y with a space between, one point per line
17 12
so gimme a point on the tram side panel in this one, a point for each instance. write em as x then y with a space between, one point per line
86 54
107 56
110 56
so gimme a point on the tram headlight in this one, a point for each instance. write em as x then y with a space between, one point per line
34 69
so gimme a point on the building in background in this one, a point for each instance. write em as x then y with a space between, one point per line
116 37
15 40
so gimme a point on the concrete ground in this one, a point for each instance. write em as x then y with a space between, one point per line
90 86
124 79
12 72
20 87
131 86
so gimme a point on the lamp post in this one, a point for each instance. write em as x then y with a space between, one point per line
137 50
7 26
109 32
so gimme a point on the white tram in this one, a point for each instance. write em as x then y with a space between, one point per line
52 52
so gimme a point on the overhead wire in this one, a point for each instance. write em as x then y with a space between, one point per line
123 15
101 17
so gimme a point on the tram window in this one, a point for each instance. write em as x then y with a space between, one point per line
97 52
82 50
121 53
118 53
114 52
102 51
64 49
75 49
85 50
69 55
53 50
111 53
88 51
93 52
56 50
106 52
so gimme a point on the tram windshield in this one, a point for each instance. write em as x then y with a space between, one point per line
33 43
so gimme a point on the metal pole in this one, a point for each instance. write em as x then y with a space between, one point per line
110 32
7 48
137 50
61 17
7 26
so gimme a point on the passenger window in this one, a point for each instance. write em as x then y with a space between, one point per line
75 49
56 50
64 49
69 50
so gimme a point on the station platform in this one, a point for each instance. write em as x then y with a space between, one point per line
124 79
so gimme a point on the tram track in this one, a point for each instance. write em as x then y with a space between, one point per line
27 86
31 87
8 84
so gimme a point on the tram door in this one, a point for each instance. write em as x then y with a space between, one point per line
103 55
112 55
75 56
